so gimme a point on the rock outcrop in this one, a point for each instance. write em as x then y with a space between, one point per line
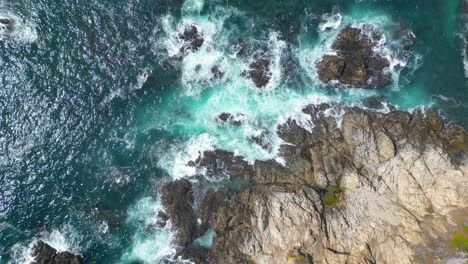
230 119
356 63
374 188
259 70
177 198
45 254
192 38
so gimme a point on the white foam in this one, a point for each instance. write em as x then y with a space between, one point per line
465 50
196 66
193 7
142 78
276 48
21 254
63 239
330 21
176 162
151 244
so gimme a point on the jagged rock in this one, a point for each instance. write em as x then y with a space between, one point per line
45 254
227 118
401 190
193 39
222 164
355 62
262 140
259 70
177 199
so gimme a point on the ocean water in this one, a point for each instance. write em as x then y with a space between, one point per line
97 107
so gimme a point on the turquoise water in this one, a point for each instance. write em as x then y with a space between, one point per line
95 109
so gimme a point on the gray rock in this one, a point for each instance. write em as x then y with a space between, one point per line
259 70
193 39
377 170
45 254
177 199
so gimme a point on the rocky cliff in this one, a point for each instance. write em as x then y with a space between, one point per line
371 188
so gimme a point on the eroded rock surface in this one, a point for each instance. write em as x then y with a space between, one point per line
380 184
45 254
356 63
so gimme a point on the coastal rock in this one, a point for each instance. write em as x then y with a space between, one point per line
262 140
177 199
355 62
354 191
192 38
231 119
45 254
259 69
6 24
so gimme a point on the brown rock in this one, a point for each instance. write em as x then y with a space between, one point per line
45 254
355 63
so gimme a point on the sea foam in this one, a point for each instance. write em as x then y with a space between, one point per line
23 31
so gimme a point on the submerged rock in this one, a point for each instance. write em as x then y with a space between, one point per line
193 39
259 70
45 254
227 118
355 63
216 73
379 184
220 164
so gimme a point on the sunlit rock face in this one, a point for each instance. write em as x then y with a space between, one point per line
351 192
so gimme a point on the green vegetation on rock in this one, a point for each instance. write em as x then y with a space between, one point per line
460 239
332 195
